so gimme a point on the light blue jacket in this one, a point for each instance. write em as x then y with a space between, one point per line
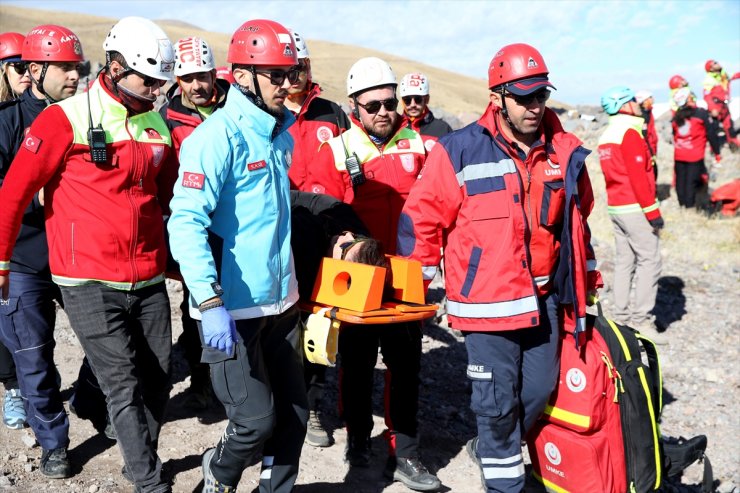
233 183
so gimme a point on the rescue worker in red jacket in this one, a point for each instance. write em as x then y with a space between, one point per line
717 95
195 96
414 91
50 54
506 198
372 167
692 130
103 160
317 121
633 209
645 100
675 83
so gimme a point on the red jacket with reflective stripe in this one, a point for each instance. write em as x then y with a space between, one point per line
628 170
103 221
472 191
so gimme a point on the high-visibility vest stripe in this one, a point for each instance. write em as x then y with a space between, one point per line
122 286
485 170
492 310
504 472
615 210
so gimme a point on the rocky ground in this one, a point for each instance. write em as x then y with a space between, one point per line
697 300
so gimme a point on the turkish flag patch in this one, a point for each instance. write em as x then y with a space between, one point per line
193 180
32 143
403 144
256 165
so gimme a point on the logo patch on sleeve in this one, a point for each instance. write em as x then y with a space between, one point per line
193 180
256 165
32 143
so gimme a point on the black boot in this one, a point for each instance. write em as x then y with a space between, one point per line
411 472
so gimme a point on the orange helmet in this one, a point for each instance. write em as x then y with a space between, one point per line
262 42
52 43
11 45
677 81
519 68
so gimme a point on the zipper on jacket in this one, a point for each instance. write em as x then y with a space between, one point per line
136 158
73 243
273 157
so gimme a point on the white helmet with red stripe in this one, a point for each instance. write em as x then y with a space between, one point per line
415 84
193 55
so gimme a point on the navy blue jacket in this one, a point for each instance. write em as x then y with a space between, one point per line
31 253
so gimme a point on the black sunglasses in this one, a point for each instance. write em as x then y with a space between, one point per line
349 244
148 81
19 67
277 77
417 99
373 107
540 96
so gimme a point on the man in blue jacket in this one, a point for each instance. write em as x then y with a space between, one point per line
230 232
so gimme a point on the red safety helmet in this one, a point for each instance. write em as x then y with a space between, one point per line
52 43
520 68
677 81
262 42
708 65
11 45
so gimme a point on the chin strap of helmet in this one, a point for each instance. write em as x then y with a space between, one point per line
505 111
40 83
257 91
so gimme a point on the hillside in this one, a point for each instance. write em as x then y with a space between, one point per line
455 94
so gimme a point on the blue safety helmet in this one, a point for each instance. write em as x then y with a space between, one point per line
613 99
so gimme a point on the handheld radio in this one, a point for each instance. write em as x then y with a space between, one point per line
96 137
352 163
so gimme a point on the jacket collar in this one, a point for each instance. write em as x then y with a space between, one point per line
241 110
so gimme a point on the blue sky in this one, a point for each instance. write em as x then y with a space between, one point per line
588 45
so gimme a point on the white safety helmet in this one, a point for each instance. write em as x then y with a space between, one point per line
415 84
300 45
144 45
367 73
643 95
193 55
681 96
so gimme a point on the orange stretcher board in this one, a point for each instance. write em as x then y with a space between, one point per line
353 292
379 316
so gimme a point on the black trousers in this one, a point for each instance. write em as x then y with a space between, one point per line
690 181
400 345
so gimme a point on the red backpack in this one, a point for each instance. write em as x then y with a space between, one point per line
577 446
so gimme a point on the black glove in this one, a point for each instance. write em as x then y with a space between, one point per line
657 224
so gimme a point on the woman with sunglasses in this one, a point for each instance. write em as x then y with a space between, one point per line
414 91
14 79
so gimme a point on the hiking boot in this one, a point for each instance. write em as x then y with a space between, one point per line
650 331
411 472
14 412
358 452
55 464
316 435
211 484
109 431
472 449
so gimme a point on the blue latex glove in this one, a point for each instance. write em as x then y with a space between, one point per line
219 329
